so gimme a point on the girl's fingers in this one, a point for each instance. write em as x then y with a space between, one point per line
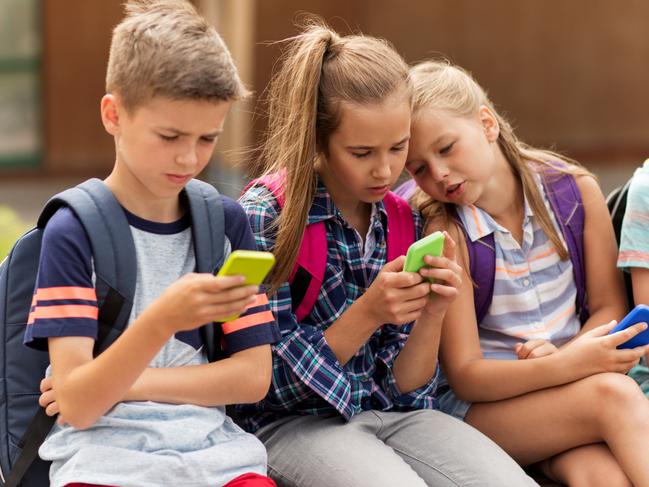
450 246
445 276
444 291
601 330
622 336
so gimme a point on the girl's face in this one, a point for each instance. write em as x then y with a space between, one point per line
453 158
367 152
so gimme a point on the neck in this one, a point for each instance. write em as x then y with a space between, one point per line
356 212
502 196
139 200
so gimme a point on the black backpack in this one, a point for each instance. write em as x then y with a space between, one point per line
616 202
23 424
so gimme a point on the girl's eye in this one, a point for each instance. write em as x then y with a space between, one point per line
360 155
418 170
168 138
398 148
447 148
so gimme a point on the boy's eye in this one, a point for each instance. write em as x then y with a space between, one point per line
360 155
168 138
447 148
209 140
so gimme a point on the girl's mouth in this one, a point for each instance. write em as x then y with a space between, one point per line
455 191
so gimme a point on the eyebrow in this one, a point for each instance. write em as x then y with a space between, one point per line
368 147
180 132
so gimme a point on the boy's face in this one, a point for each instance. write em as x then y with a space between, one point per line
163 143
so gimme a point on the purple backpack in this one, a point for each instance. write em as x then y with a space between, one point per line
308 273
565 200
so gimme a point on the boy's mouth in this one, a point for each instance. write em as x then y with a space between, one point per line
179 178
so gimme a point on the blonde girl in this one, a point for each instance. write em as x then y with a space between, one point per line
544 385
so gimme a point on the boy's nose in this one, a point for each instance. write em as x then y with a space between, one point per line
187 158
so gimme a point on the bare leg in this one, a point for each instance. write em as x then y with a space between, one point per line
586 466
607 408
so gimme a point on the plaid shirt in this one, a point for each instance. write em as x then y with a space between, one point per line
307 377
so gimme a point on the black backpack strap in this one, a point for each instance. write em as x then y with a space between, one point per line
208 231
113 253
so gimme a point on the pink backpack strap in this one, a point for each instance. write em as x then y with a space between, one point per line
401 225
307 275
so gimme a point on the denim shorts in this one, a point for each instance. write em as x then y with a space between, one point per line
449 403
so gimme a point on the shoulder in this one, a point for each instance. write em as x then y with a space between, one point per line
237 226
639 187
64 232
261 207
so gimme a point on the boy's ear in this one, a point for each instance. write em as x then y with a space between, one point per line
110 113
489 123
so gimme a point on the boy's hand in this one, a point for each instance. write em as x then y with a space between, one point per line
47 399
395 296
596 351
534 349
197 299
448 278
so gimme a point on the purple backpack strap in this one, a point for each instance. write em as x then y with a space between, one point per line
307 275
406 189
568 208
482 267
401 226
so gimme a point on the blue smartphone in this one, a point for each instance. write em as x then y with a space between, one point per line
638 314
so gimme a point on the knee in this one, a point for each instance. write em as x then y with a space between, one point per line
599 477
616 390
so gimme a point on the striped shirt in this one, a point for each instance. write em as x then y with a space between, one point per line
634 242
307 377
534 290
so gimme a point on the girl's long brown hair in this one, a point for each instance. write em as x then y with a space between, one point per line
442 86
318 70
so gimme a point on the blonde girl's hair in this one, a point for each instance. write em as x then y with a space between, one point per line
319 69
441 86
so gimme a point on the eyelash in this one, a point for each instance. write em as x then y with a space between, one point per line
446 149
171 138
365 154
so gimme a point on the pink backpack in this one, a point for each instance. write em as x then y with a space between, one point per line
308 273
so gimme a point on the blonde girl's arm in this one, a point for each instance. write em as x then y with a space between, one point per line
477 379
604 284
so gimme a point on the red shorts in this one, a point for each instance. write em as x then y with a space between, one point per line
245 480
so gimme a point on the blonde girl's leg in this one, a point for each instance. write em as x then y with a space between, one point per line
606 408
586 466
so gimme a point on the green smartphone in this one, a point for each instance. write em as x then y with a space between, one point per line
432 244
252 264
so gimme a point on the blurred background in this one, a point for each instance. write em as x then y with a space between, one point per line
571 75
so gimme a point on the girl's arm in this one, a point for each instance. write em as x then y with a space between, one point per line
604 284
474 378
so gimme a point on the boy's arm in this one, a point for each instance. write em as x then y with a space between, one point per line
240 379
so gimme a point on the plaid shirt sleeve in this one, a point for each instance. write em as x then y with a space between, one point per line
303 362
393 339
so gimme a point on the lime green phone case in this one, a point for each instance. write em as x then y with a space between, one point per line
252 264
433 244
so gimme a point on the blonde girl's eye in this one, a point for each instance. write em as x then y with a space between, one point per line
446 149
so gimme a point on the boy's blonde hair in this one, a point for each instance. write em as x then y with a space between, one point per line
438 85
319 70
165 48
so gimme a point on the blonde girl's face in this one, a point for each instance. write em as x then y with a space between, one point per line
367 152
452 158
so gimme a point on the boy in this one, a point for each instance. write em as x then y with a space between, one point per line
149 411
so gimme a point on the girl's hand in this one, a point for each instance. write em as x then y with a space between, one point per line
447 275
596 351
47 399
535 349
395 296
197 299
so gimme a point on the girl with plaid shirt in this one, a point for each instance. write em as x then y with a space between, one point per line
352 400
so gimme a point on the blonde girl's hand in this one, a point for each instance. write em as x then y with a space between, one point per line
535 349
447 274
596 351
197 299
395 296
